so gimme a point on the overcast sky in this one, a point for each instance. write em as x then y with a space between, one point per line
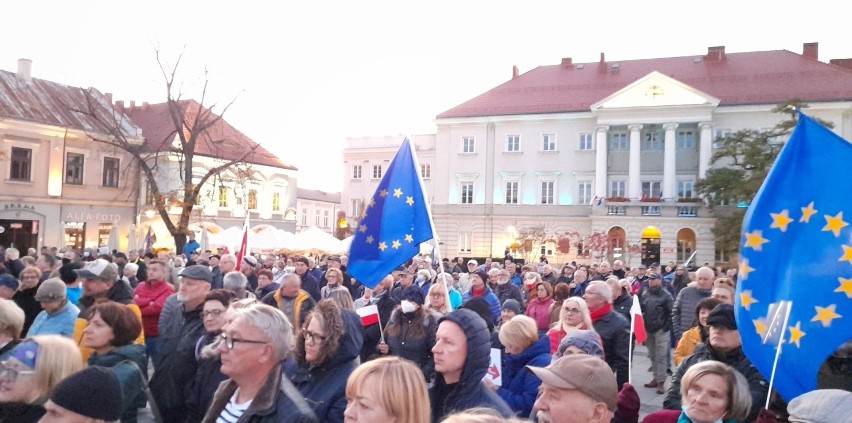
308 74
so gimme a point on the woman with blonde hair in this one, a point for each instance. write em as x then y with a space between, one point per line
389 389
523 348
11 325
342 298
30 371
438 299
30 279
573 316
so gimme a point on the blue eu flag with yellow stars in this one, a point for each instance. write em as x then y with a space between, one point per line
394 223
797 247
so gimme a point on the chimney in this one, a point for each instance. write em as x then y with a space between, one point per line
119 104
132 104
715 54
843 63
514 72
108 97
144 104
25 68
566 62
602 64
811 50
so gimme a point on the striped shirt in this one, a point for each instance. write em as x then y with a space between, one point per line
233 411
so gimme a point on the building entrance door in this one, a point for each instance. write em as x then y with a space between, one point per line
21 234
650 246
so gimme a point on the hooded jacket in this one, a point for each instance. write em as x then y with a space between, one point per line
469 392
324 385
120 293
520 387
124 362
302 305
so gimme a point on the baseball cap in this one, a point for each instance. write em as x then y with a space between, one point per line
587 374
51 290
9 281
98 269
473 262
333 258
250 260
654 276
722 315
199 272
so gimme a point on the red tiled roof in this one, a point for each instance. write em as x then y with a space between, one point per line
221 140
765 77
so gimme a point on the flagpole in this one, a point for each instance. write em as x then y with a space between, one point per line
381 329
777 354
689 259
630 350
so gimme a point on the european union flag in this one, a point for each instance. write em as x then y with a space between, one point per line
395 222
797 247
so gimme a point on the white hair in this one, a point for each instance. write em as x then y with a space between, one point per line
234 281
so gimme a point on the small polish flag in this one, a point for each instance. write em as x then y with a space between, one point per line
369 315
637 322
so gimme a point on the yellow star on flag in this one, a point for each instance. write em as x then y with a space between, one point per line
409 238
397 192
396 244
760 326
755 240
371 203
383 246
746 299
845 286
383 193
780 220
847 254
796 334
409 200
826 315
370 239
362 228
807 212
745 269
834 224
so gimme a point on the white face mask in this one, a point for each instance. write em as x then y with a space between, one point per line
407 306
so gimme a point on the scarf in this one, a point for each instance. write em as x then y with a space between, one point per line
477 292
601 312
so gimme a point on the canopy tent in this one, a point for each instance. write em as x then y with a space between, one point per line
267 238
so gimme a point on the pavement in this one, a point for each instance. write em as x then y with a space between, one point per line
650 400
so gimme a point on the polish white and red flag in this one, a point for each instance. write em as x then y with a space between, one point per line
369 314
637 322
243 245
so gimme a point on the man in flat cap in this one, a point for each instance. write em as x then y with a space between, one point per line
576 388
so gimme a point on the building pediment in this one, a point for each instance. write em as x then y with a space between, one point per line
655 90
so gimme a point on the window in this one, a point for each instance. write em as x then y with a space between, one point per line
325 216
317 218
276 202
616 211
464 242
103 234
619 141
355 207
252 199
513 143
356 172
687 211
74 168
75 234
653 140
377 171
21 165
586 141
548 142
149 194
650 210
617 189
512 192
584 192
111 168
685 139
651 189
304 217
547 189
467 193
468 145
720 134
685 189
426 171
223 196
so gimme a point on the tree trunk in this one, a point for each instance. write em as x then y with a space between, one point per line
180 242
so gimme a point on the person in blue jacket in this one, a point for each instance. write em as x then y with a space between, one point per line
478 288
523 347
59 315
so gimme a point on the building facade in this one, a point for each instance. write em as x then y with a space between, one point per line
316 208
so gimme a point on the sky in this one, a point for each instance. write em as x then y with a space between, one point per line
303 76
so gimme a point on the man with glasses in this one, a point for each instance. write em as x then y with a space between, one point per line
254 346
613 328
505 290
176 369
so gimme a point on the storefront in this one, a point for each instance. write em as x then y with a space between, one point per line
21 226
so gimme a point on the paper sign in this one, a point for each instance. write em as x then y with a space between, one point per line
495 368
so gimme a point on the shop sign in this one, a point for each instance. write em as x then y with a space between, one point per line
91 217
19 206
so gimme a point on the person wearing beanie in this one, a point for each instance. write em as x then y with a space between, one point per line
581 342
73 286
462 355
92 393
510 309
478 289
410 333
58 315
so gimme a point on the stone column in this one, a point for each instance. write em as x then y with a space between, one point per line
634 180
669 162
600 161
705 148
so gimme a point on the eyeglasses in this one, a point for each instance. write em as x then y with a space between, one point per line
29 277
312 337
571 310
11 375
229 342
214 313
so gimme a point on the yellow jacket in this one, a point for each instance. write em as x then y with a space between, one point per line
688 341
81 323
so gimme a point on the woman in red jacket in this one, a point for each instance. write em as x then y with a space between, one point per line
150 297
538 307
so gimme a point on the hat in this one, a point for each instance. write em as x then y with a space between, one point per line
304 260
9 281
473 262
587 374
654 276
333 258
99 269
512 305
250 260
414 294
199 272
586 340
722 315
481 307
93 392
67 272
51 290
821 406
133 267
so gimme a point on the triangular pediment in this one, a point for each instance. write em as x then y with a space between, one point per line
656 90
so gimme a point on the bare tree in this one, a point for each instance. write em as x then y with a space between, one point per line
192 126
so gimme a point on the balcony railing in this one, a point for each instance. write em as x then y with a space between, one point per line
651 211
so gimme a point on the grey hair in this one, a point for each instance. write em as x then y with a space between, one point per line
234 281
291 276
603 288
271 322
11 318
12 253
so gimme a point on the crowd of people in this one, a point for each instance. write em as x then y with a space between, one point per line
203 337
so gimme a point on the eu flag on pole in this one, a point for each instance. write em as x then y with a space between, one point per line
394 223
797 247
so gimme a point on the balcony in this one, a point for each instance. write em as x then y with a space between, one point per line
651 207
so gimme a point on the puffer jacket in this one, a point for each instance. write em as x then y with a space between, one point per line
493 302
151 297
520 387
683 311
124 362
324 385
469 392
59 323
656 309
